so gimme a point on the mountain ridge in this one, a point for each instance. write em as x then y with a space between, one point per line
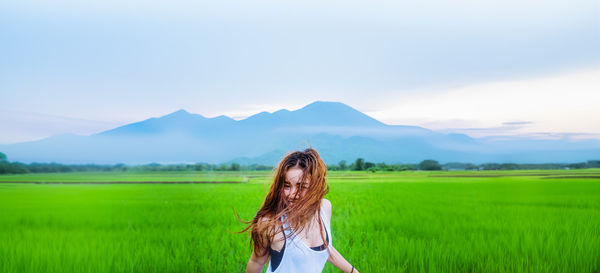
338 131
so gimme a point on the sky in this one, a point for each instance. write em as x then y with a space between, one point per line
482 68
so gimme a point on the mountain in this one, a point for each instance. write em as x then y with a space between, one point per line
336 130
177 122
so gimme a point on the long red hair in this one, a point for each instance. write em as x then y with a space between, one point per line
300 212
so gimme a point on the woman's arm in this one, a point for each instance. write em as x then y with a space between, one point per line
257 263
335 257
338 260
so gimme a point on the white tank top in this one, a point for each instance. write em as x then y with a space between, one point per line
300 258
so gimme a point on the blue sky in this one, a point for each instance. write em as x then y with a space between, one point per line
478 67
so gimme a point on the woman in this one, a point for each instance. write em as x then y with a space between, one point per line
293 227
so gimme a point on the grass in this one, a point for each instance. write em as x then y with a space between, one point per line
382 222
131 176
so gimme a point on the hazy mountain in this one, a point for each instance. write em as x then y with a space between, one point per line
338 131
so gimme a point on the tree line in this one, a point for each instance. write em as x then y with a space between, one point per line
432 165
7 167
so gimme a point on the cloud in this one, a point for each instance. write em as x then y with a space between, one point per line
569 136
517 122
19 126
132 59
566 102
507 128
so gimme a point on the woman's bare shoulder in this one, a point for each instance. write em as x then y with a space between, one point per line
273 230
327 207
266 219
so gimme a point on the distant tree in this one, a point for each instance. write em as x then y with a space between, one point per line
389 168
581 165
509 166
171 168
222 167
200 167
429 165
259 167
333 167
593 164
15 167
406 167
369 165
471 167
491 166
151 167
359 164
4 165
120 167
454 166
343 165
235 166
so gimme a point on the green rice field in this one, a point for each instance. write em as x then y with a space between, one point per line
458 221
